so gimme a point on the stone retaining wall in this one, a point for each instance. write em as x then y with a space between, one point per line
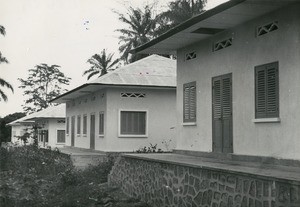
164 184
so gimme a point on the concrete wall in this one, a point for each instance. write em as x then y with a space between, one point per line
81 106
249 138
160 106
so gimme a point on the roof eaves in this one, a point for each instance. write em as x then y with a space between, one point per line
188 23
71 91
118 85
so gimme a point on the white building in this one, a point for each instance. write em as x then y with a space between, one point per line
124 110
237 78
50 123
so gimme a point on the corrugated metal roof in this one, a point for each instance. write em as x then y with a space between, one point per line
58 111
152 71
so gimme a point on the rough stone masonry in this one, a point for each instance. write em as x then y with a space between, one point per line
164 184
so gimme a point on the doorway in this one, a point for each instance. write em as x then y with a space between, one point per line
92 132
222 113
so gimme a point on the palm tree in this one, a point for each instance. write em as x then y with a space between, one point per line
178 12
3 83
3 59
141 28
2 30
100 64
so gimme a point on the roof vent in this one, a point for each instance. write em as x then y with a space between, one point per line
222 44
133 95
190 56
267 28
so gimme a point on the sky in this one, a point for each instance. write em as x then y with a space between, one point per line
60 32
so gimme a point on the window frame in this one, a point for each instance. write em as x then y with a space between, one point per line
189 121
57 142
84 124
67 125
78 125
102 125
133 135
265 117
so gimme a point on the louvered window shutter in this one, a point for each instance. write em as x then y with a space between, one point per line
267 91
133 123
189 102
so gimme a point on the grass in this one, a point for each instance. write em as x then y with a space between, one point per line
40 177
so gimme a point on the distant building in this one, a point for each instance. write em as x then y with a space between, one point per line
132 107
51 126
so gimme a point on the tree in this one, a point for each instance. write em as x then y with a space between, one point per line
5 131
43 84
4 83
141 28
100 64
178 12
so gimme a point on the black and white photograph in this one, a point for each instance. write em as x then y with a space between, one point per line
149 103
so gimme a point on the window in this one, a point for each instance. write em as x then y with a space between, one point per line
84 124
267 91
101 123
61 138
133 123
78 124
68 125
43 135
189 102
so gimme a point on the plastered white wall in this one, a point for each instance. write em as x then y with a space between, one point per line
161 107
86 105
249 138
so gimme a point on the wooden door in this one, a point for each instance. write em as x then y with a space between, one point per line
72 131
222 114
92 132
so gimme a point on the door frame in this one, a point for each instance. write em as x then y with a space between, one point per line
212 108
92 139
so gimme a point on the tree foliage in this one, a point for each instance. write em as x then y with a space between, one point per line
178 12
100 64
43 83
5 131
3 83
141 25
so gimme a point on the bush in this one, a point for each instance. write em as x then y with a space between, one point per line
40 177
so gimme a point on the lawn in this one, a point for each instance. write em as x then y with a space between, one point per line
40 177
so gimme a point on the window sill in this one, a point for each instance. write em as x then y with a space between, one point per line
101 135
84 135
60 143
133 135
266 120
189 124
78 135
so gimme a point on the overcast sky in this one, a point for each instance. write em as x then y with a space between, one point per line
57 32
